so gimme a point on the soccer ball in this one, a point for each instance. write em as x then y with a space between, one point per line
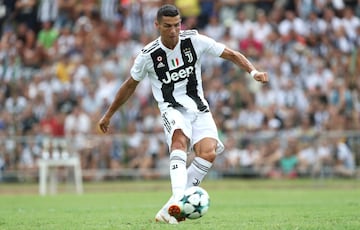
195 202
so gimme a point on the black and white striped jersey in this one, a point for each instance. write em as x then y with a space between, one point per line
175 75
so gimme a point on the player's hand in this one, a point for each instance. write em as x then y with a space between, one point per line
261 77
104 124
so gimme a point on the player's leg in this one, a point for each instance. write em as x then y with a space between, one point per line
178 158
178 178
206 145
178 172
205 154
177 129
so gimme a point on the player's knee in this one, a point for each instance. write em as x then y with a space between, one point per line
206 149
179 141
209 156
179 145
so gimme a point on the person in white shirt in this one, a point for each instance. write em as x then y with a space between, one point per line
172 62
261 26
345 162
292 22
240 26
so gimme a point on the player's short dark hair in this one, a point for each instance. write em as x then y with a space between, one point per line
167 10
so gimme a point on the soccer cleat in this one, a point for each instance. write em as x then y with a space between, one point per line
163 216
174 210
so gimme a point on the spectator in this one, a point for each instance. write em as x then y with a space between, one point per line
79 74
16 103
52 123
109 83
207 9
289 161
29 153
65 101
265 98
321 78
315 24
248 158
324 158
48 10
25 11
63 68
307 158
345 164
228 10
47 36
27 121
7 15
188 8
340 97
109 10
65 43
273 46
27 46
291 99
232 155
214 28
149 9
332 21
89 102
342 42
250 118
228 39
292 23
250 46
267 164
133 22
240 26
273 120
66 12
77 127
261 26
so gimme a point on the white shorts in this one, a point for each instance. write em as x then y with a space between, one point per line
195 125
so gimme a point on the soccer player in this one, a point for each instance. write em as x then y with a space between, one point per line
172 62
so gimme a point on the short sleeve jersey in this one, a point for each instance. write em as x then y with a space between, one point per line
175 75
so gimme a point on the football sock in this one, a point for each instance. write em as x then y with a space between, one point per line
178 173
197 171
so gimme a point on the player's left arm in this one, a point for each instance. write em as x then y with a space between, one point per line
240 60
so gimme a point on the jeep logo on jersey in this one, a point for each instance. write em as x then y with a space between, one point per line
178 75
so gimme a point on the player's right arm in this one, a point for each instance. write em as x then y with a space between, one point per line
137 73
122 95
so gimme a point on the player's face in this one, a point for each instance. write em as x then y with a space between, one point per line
169 29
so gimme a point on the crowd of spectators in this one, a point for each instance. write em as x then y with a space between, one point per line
63 60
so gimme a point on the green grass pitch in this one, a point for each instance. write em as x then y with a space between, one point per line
235 204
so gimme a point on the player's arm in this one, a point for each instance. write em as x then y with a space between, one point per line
241 61
122 95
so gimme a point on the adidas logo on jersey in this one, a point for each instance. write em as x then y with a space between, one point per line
179 75
160 65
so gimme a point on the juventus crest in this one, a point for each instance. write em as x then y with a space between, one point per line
188 54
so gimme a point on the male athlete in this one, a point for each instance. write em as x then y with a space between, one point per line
172 62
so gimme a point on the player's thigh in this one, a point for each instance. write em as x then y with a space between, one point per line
175 120
205 136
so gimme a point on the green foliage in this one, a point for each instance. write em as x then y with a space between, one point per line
235 204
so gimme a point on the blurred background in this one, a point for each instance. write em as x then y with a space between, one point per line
61 62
